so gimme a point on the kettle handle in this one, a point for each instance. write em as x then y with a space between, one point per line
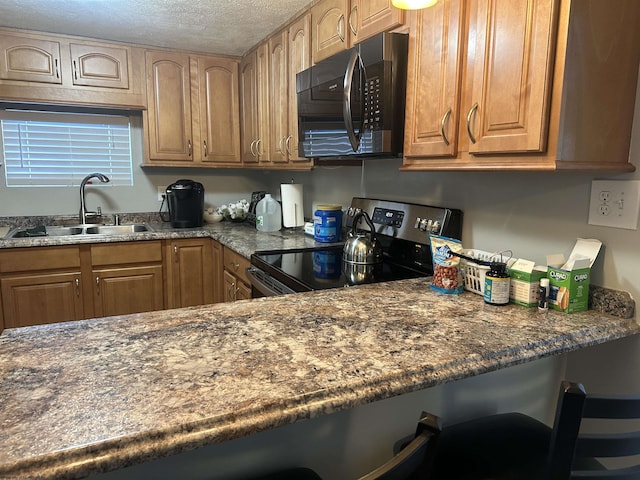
367 219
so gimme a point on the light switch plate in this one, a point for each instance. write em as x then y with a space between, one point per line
615 203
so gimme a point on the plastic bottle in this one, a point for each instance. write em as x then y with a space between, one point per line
268 214
496 284
543 295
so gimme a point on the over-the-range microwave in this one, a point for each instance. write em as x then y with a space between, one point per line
352 104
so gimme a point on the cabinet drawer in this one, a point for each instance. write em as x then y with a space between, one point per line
127 252
36 258
236 264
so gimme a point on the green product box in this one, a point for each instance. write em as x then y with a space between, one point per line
525 282
569 281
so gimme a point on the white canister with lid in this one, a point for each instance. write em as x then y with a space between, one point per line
268 214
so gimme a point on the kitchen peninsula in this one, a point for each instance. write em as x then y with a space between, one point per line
92 396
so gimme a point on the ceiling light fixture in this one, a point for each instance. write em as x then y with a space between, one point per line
413 4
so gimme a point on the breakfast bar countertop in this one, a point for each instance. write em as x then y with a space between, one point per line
91 396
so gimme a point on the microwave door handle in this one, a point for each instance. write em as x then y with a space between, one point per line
346 107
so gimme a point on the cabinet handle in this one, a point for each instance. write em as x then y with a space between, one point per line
253 152
340 27
443 123
230 291
75 70
235 266
469 115
258 142
353 30
205 147
57 70
77 282
280 149
286 145
176 257
189 146
98 285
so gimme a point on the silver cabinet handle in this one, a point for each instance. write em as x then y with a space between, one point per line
57 70
98 285
351 27
75 70
340 27
204 142
287 144
469 115
280 145
258 143
230 291
189 146
235 266
77 283
442 125
253 152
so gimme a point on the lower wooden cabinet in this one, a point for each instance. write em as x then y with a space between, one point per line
41 298
41 285
191 272
237 285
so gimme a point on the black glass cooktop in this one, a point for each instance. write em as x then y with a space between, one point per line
323 268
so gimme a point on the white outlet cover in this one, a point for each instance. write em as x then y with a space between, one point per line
621 205
161 191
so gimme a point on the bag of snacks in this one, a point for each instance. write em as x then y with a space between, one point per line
447 276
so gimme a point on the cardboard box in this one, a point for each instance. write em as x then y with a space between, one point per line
525 282
569 280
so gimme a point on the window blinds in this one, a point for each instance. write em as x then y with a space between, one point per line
58 149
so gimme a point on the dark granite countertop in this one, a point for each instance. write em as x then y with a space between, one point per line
98 395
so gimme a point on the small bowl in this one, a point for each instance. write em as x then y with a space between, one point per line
212 217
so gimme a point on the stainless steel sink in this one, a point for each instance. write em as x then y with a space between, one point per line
61 231
117 229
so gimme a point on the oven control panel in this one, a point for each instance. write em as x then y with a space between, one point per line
387 217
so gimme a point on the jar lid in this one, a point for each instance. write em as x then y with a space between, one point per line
328 207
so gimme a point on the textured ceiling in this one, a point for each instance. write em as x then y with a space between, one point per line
216 26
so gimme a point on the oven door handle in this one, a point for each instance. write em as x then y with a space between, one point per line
263 287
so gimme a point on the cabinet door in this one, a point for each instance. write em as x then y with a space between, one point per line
217 263
190 272
262 146
124 290
218 111
369 17
243 291
169 107
249 108
329 28
235 289
29 59
100 66
40 299
278 97
434 80
299 60
511 76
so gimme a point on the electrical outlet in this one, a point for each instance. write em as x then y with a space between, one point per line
161 193
615 203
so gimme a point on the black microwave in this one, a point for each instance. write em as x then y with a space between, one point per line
353 103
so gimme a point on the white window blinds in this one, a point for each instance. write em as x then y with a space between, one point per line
58 149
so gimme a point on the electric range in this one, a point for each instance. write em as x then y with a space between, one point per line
402 229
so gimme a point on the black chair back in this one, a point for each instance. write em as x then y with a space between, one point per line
572 454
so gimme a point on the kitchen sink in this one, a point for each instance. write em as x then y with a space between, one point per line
117 229
62 231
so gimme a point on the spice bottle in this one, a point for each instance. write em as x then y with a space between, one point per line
496 284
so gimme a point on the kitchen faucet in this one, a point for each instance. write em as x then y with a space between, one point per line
84 214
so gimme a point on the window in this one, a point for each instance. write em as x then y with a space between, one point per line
58 149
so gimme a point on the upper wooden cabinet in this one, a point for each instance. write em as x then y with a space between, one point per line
339 24
254 101
59 69
193 113
525 85
269 99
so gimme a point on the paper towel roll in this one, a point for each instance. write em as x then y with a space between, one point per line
292 211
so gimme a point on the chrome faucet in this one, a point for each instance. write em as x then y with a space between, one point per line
84 214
